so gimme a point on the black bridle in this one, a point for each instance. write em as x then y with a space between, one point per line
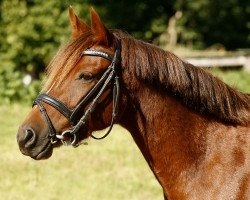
109 77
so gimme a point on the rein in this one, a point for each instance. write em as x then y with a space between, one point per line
71 136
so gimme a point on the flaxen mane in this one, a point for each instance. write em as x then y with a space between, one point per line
195 87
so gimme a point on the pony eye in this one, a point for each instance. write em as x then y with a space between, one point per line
85 76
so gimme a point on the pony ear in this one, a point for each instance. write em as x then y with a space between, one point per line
101 33
78 26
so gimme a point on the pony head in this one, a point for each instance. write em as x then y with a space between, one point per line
80 94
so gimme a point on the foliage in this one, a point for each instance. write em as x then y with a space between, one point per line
203 23
143 19
12 87
32 30
209 22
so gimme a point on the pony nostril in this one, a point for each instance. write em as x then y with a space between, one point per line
29 138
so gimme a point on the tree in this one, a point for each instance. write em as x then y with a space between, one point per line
143 19
31 32
208 22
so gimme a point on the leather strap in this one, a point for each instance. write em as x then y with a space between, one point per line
57 104
109 76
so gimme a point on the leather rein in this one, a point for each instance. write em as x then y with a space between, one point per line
109 77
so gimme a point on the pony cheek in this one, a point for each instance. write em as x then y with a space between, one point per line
85 131
61 123
101 118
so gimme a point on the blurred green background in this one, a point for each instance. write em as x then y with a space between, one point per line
31 31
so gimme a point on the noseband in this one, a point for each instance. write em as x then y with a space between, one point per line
109 77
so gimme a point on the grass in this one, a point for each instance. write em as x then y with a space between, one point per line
110 169
239 79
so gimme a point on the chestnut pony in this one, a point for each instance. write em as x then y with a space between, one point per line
192 129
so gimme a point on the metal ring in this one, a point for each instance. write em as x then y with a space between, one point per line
60 137
66 137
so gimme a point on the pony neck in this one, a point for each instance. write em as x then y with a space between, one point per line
161 126
180 138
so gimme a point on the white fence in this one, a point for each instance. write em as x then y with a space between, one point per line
228 61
